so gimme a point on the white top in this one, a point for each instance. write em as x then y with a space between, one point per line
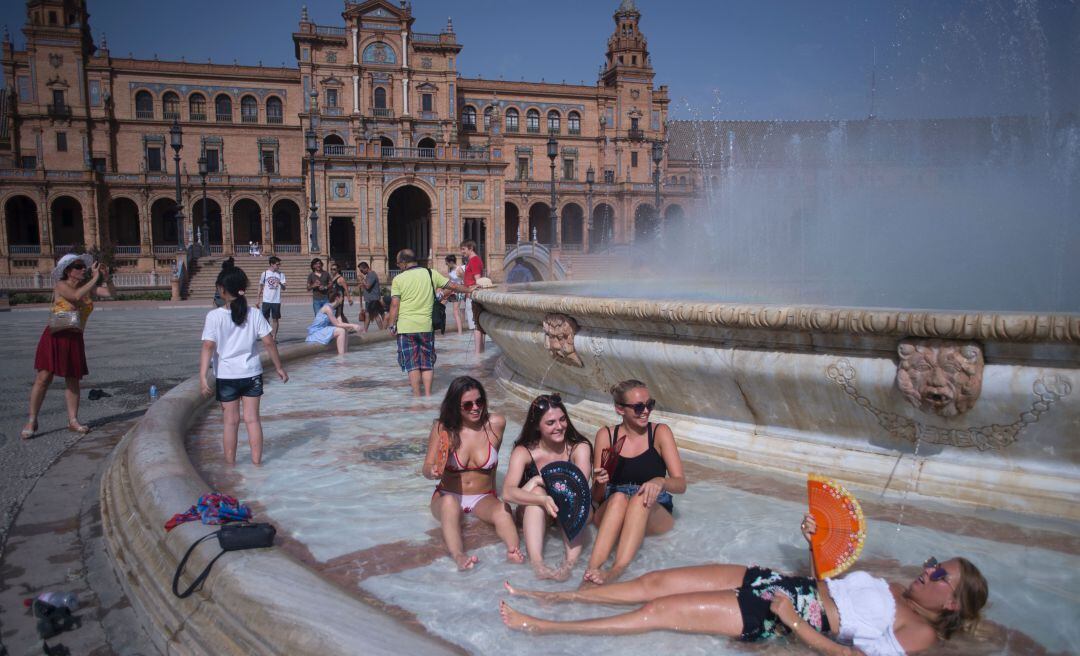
237 347
867 613
272 282
456 274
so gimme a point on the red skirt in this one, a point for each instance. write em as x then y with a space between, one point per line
63 354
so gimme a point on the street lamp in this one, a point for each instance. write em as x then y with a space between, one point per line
176 139
203 234
311 142
657 157
552 153
590 179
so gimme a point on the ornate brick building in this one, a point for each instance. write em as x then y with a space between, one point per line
409 153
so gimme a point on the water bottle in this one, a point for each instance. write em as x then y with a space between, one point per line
60 599
153 393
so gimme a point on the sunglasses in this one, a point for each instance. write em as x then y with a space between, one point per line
78 265
937 572
546 402
468 406
639 408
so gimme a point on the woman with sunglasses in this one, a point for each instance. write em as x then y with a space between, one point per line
636 469
547 436
855 614
468 437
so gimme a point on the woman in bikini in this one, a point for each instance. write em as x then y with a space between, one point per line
854 614
467 475
635 496
547 436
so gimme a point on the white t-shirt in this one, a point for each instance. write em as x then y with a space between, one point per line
272 282
237 351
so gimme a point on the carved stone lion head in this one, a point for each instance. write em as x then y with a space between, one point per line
559 331
939 376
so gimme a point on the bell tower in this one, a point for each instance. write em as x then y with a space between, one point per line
628 50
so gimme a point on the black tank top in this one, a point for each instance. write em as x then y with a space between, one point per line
641 468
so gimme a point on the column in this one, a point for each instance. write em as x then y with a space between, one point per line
405 93
228 246
145 233
45 222
268 225
355 77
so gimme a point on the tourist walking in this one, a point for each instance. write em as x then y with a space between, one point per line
371 295
339 283
854 614
271 284
227 264
231 337
61 350
412 297
318 283
474 268
463 455
636 469
453 300
547 436
328 327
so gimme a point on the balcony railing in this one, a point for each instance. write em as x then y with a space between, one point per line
533 129
574 131
165 249
275 119
468 127
60 110
333 111
421 37
382 112
338 150
24 249
427 153
127 250
198 117
216 248
224 118
554 130
429 116
512 128
327 30
249 118
474 153
144 113
171 116
286 248
636 135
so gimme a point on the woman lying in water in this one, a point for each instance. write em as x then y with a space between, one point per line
547 436
855 614
467 480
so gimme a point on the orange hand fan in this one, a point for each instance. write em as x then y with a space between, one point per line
841 527
442 453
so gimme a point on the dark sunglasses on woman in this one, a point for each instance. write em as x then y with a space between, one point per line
468 406
938 573
639 408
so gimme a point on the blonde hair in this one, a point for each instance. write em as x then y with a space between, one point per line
619 390
971 592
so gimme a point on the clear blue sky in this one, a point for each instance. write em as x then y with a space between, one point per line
738 59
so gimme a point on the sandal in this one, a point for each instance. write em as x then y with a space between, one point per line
27 433
76 427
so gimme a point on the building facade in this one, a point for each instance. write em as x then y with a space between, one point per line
407 152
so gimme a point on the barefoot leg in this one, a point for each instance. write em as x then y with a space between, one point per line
493 511
447 510
614 509
654 585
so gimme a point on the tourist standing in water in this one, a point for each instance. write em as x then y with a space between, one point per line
463 454
855 614
327 327
635 495
474 268
231 337
547 436
452 299
339 284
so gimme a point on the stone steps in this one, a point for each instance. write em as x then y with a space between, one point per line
295 267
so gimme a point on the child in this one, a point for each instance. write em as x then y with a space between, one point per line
231 337
270 285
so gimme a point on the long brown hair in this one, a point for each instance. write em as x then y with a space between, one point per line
971 593
530 430
450 412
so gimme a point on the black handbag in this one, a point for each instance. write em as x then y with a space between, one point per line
438 310
231 537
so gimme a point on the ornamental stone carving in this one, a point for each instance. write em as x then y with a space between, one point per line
559 332
940 377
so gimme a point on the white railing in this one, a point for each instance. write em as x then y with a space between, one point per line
167 249
349 274
128 250
24 249
286 248
120 280
217 248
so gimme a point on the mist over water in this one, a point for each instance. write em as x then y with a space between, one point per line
975 213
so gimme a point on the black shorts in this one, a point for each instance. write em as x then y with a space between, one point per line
271 310
375 308
759 586
231 389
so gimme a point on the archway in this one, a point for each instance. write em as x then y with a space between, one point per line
673 216
408 223
213 234
511 223
572 225
247 224
426 147
20 214
645 222
163 224
286 226
342 247
540 223
124 222
67 222
603 227
386 145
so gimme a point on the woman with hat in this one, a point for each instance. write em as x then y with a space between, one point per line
547 436
60 351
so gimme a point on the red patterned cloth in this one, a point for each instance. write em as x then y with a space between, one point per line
63 354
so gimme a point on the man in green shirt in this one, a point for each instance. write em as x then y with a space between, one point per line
412 296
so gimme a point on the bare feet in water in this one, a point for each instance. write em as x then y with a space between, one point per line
465 561
532 594
600 577
515 620
515 556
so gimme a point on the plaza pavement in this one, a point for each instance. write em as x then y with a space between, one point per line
50 535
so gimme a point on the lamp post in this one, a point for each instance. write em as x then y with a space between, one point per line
176 139
552 153
203 234
590 179
657 157
311 142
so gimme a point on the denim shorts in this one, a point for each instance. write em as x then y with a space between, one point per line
630 489
230 389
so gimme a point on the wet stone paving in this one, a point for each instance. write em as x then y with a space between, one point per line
341 481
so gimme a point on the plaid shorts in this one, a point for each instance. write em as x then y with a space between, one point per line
416 351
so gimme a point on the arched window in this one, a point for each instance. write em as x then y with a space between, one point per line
554 121
197 107
223 109
170 104
144 105
249 110
380 98
573 120
426 147
488 111
532 120
274 113
512 120
468 118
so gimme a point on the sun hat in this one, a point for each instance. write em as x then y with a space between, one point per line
67 260
568 487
